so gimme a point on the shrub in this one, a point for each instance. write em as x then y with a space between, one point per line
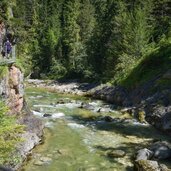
9 134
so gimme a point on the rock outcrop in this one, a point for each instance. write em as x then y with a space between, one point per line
12 89
12 92
149 165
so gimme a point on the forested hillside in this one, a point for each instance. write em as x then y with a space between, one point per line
89 39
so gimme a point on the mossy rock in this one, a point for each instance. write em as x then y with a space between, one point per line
141 116
126 115
149 165
116 153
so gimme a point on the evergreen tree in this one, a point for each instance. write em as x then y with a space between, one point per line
71 35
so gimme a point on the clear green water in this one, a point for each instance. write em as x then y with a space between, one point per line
77 142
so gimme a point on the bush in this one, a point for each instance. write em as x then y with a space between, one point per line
9 134
150 67
3 71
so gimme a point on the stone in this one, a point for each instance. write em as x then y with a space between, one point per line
45 159
31 139
47 115
164 168
38 163
116 153
103 110
61 101
144 154
63 152
149 165
108 118
161 149
146 165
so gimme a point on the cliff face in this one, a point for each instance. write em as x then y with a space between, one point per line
12 92
16 89
12 89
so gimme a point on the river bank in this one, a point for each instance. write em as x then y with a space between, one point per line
154 107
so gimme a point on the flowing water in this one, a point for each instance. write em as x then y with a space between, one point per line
79 140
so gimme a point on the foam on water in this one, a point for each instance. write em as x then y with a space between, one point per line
68 105
75 125
58 115
46 106
94 103
38 113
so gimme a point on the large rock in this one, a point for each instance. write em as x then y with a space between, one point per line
46 115
87 106
12 89
117 95
158 110
108 118
144 154
146 165
164 168
162 150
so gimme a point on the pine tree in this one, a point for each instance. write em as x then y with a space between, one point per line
71 34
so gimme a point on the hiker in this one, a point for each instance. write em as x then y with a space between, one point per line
7 48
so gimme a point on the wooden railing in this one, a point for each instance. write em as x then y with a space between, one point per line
11 59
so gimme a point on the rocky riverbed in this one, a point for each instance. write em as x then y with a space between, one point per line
81 133
156 107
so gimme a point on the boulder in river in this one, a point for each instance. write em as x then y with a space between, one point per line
144 154
47 115
86 106
61 101
103 110
161 149
149 165
108 118
116 153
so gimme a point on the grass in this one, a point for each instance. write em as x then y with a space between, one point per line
152 66
19 65
3 71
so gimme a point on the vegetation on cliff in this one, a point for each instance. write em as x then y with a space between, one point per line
9 135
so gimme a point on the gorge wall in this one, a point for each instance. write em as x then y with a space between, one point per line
12 92
12 89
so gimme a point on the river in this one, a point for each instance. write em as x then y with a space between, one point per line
77 139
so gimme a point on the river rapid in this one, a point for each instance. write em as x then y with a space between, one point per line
77 139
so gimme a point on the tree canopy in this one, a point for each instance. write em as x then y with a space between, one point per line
87 39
